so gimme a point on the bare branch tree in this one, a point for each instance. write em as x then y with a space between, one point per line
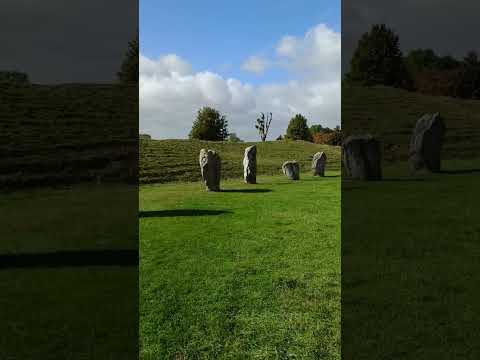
263 125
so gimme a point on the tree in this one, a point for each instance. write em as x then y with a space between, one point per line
232 137
14 77
471 59
378 59
209 125
317 128
129 69
331 137
263 125
298 129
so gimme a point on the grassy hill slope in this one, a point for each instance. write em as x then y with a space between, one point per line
392 113
177 160
69 132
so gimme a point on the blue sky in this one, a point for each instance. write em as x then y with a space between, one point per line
220 35
210 42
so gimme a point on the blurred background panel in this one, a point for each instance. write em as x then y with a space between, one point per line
68 179
410 80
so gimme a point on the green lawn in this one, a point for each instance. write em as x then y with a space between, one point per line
410 250
163 161
252 272
69 312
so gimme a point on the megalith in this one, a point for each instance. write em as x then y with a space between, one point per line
361 157
250 165
210 167
291 170
318 164
426 143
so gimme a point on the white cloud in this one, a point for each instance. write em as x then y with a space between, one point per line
255 64
316 54
171 93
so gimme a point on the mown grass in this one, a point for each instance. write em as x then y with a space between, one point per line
177 160
67 133
410 248
68 312
252 272
391 114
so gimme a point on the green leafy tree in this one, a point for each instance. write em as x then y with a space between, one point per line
129 69
209 125
14 77
298 129
421 59
317 128
471 59
378 59
263 125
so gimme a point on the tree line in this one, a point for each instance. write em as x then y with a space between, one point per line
210 125
378 60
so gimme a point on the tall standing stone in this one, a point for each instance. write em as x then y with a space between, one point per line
426 143
361 157
250 165
291 169
210 166
318 164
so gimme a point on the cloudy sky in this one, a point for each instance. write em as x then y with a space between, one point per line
242 58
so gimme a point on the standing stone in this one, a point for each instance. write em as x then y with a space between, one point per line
210 167
318 164
250 165
361 157
291 169
426 143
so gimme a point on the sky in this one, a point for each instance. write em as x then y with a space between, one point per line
449 27
242 58
79 41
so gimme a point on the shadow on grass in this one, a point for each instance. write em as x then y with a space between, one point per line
180 212
251 191
77 258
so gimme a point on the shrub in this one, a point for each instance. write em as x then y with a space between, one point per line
232 137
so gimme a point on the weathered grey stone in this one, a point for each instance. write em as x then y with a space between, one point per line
291 169
210 166
361 157
318 164
426 143
250 165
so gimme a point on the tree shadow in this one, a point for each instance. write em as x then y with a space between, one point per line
180 212
252 191
74 258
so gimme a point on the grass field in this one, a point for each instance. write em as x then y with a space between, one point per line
410 249
252 272
177 160
68 311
